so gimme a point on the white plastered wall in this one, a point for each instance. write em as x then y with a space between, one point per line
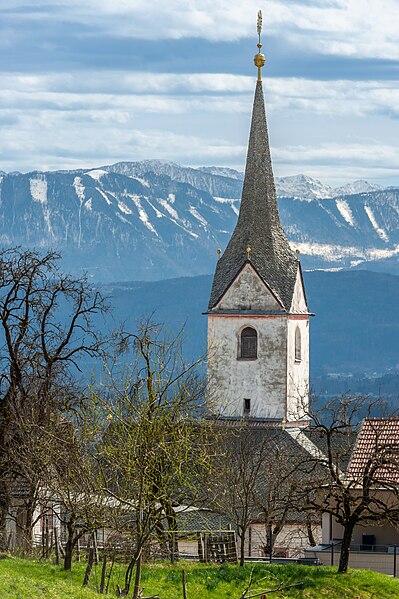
231 379
298 371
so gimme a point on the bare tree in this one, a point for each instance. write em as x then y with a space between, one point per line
46 327
62 454
238 462
257 477
155 446
352 495
282 476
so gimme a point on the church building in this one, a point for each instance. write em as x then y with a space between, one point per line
258 317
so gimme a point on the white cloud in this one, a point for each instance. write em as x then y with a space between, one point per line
362 155
180 93
356 98
93 139
335 163
102 117
343 27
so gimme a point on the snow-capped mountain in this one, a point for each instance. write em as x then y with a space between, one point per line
151 220
307 188
359 186
215 184
222 171
301 186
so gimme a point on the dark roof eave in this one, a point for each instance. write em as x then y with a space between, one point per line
258 312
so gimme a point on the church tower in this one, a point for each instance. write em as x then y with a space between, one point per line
258 318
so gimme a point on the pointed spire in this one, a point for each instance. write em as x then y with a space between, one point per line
258 225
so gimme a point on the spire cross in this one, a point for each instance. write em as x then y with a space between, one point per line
259 58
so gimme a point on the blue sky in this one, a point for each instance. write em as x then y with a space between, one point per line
85 83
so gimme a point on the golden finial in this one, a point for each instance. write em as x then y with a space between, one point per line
259 24
297 252
259 58
219 251
283 423
249 252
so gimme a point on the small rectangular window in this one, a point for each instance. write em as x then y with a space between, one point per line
247 406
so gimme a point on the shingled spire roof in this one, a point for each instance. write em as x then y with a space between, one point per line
258 225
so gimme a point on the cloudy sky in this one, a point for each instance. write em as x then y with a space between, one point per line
90 82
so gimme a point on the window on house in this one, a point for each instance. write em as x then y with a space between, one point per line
247 406
298 353
249 343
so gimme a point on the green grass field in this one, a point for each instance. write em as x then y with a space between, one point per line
29 579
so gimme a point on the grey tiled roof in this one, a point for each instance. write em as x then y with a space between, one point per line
258 222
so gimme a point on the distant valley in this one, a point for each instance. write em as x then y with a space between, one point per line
354 334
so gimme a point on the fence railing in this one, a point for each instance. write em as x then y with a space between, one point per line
204 545
380 558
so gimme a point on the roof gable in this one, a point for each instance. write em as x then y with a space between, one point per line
299 303
248 292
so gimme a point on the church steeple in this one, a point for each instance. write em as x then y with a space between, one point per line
258 225
258 318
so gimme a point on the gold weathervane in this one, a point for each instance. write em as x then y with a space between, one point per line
259 58
248 252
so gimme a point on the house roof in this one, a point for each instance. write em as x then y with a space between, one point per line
258 224
377 451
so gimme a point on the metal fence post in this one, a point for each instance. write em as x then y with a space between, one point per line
394 561
332 553
271 544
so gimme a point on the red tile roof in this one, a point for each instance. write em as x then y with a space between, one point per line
377 451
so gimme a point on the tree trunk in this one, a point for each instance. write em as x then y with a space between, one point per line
103 574
242 546
70 544
270 538
4 509
172 537
57 547
89 566
137 578
129 573
345 548
68 554
309 530
160 532
28 529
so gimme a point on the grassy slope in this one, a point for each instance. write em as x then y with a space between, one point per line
24 579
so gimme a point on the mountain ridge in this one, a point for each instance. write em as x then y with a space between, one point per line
127 221
300 185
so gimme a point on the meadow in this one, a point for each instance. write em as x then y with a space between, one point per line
32 579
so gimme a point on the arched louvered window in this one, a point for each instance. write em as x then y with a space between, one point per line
249 343
298 352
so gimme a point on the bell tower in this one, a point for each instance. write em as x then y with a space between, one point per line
258 318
